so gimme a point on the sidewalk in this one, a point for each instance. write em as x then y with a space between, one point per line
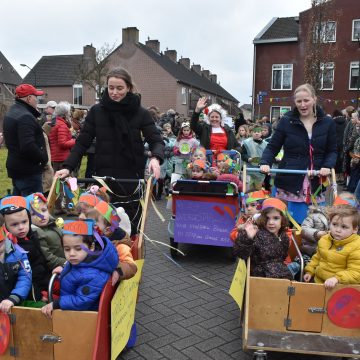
179 317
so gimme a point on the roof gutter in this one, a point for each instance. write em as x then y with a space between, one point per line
268 41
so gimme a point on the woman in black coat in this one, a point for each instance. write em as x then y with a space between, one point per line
118 123
308 138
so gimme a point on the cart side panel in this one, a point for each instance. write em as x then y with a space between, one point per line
6 355
330 328
77 330
272 313
305 297
28 326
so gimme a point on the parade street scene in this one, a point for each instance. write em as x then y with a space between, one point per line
180 180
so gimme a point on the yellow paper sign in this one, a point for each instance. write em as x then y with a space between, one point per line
123 307
237 287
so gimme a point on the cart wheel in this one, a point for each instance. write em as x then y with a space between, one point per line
175 245
259 355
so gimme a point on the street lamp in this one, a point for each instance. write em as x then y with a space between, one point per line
31 70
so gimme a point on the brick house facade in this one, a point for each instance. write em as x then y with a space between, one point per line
279 59
160 78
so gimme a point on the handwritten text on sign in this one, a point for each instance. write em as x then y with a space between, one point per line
123 311
206 223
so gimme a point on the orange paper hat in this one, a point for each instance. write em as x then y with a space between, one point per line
341 201
274 203
200 163
17 201
89 199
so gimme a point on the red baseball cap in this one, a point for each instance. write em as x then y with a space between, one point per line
24 90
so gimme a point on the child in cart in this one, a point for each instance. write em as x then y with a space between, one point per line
337 258
253 203
91 261
316 225
266 241
48 232
107 223
17 223
15 274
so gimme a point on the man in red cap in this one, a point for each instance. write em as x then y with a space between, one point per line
25 141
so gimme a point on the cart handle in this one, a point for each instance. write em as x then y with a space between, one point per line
107 178
50 288
300 257
286 171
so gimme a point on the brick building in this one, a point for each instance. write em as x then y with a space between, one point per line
279 59
161 78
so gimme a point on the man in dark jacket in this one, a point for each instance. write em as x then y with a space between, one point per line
25 141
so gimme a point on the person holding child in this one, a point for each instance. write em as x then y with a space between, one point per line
337 258
15 274
266 241
91 261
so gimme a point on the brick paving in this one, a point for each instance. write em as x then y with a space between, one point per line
179 317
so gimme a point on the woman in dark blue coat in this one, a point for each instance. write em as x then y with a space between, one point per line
308 138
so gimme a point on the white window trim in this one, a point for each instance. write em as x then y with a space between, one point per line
282 73
353 64
329 65
322 40
77 86
353 38
183 95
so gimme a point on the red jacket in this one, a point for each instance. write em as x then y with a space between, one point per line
61 140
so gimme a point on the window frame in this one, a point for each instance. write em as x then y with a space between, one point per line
354 65
323 66
287 107
322 39
78 86
184 95
282 69
353 38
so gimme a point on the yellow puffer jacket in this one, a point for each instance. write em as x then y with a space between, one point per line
336 258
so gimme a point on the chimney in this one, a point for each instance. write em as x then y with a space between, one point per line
205 74
171 54
130 35
213 78
89 52
196 68
185 62
153 44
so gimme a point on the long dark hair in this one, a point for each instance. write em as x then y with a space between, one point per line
121 73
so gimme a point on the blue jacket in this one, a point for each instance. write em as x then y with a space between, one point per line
81 285
293 137
15 275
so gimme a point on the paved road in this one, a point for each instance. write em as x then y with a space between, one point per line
179 317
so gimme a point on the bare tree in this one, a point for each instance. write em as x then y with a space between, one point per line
92 71
321 48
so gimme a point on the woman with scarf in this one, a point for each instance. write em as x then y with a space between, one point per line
118 122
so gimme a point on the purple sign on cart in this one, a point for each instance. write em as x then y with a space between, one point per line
205 223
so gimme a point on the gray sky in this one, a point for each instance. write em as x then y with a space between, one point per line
216 34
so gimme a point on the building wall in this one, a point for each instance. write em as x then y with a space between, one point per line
156 86
285 53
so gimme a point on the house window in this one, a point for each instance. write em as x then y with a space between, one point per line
275 111
356 30
327 76
77 94
97 97
282 76
354 76
183 96
325 32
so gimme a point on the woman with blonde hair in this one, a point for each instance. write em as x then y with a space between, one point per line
308 138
